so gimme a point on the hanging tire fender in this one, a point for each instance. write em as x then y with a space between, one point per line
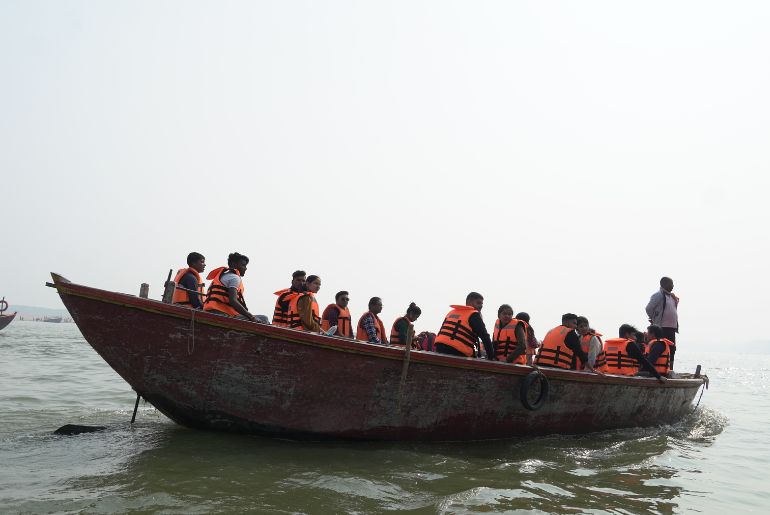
526 384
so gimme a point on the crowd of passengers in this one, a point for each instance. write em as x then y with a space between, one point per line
573 345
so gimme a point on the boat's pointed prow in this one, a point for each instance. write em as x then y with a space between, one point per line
59 279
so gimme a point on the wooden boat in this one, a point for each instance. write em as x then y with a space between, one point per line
214 372
5 319
53 319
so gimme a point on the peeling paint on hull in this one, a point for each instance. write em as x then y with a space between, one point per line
211 372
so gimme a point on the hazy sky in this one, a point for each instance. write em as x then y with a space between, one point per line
557 156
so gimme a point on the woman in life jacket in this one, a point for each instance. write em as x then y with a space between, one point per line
509 337
402 331
659 350
591 343
307 306
532 342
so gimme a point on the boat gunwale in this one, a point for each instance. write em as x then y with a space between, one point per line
339 344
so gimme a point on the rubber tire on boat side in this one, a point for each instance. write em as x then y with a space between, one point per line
527 383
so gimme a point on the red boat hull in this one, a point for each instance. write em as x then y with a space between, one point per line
213 372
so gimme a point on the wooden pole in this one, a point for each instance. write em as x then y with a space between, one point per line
144 290
136 407
168 288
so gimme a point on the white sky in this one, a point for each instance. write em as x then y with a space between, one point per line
557 156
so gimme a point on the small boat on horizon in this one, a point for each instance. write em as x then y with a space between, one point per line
208 371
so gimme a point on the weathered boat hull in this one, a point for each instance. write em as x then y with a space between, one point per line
6 319
212 372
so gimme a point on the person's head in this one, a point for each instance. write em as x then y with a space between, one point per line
569 320
342 298
475 300
313 283
375 305
582 326
237 262
655 332
627 331
298 280
523 316
413 312
667 284
196 261
505 314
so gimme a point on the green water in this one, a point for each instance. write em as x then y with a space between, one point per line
715 461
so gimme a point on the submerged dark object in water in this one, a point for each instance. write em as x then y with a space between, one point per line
208 371
75 429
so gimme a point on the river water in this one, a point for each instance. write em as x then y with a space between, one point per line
717 460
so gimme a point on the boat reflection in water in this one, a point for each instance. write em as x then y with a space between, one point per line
213 372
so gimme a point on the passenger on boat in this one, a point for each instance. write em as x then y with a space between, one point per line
509 337
561 347
532 343
462 329
402 332
307 305
193 289
225 294
658 350
662 311
370 328
280 313
339 315
591 343
625 356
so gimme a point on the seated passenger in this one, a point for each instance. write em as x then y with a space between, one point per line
561 346
659 350
339 315
462 329
225 294
532 343
370 328
402 332
509 337
307 306
190 290
625 356
591 343
280 313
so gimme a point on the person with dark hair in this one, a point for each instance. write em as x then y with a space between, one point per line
561 346
662 311
190 288
337 314
307 305
280 313
462 329
659 350
509 337
532 343
402 332
625 356
591 343
370 328
225 295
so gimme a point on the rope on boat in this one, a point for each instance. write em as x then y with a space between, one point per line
191 338
404 370
703 389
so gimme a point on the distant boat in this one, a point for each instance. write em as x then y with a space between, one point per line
209 371
5 319
54 319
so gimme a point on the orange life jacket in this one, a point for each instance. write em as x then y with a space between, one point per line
281 307
183 296
619 362
361 333
505 340
663 363
293 319
394 336
217 297
554 352
456 331
601 358
343 321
